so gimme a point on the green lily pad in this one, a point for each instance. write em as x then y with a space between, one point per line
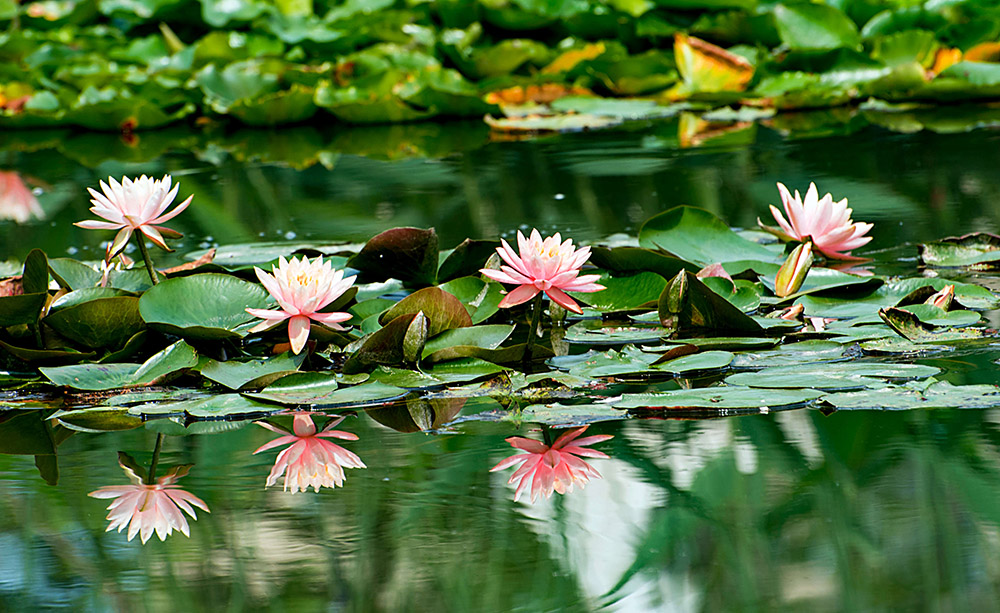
481 298
938 317
687 304
562 415
444 373
979 250
723 398
222 406
102 322
918 395
909 326
98 420
596 332
302 391
451 343
21 309
632 361
251 373
176 357
624 292
206 306
805 352
696 235
399 341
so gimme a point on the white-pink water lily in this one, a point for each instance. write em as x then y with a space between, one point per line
311 460
148 508
16 200
558 468
548 265
302 288
829 223
138 205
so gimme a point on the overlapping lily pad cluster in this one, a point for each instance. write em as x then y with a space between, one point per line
693 316
146 63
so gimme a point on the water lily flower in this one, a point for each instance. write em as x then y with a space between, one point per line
302 288
16 200
828 223
138 205
558 468
543 265
311 460
147 508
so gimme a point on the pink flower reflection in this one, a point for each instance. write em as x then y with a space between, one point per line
311 460
16 200
557 468
147 508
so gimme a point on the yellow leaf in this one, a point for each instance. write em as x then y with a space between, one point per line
705 67
945 58
983 52
568 60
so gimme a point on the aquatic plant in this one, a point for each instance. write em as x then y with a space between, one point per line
311 460
302 288
826 223
138 206
552 468
548 265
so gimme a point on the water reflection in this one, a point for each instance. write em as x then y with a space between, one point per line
17 202
311 460
552 468
148 504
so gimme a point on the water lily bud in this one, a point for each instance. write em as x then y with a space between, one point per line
943 298
793 272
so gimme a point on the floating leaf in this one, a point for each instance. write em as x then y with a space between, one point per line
400 341
724 398
303 390
938 394
236 374
698 236
452 371
979 250
176 357
104 322
839 376
464 342
707 68
205 306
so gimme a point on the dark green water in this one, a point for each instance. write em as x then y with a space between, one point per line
796 510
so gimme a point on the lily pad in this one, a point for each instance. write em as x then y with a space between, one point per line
918 395
236 374
222 406
442 310
979 250
311 391
722 398
176 357
407 254
458 342
103 322
698 236
205 306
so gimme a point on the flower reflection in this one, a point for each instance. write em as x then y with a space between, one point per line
545 469
311 460
16 200
146 508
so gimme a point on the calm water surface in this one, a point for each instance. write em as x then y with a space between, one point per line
795 510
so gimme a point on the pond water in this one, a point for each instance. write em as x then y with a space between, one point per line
795 509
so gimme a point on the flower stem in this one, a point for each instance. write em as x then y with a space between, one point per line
145 257
547 435
536 316
151 477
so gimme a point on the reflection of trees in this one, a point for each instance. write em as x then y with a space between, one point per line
855 511
894 511
258 185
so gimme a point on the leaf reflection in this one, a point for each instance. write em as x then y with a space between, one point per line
311 460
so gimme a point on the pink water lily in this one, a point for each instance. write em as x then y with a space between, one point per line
829 223
311 460
16 200
148 508
557 468
138 205
548 265
302 288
